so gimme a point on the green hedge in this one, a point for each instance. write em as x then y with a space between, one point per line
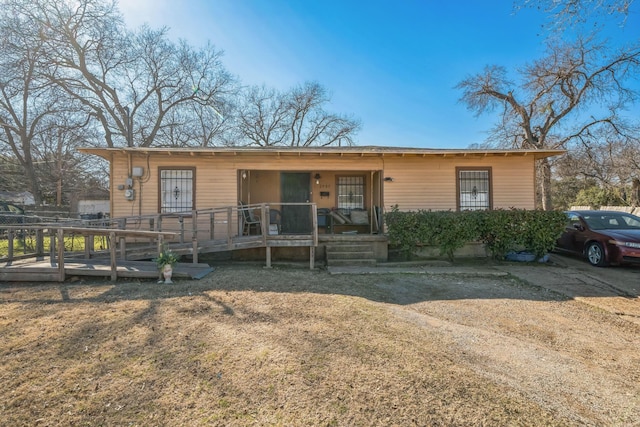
501 231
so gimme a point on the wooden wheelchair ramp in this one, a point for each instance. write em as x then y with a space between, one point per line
122 247
43 270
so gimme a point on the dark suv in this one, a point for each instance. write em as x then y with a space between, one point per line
11 214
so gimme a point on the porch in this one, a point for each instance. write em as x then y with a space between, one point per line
347 201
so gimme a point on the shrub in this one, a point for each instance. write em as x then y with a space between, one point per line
501 231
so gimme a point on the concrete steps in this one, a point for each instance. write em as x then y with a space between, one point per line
350 254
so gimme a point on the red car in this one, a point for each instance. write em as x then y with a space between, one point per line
604 237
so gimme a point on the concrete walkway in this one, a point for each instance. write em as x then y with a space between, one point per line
438 268
612 289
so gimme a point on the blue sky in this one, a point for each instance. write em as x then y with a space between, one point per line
391 64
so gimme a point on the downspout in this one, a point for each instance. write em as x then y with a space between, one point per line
249 187
139 197
111 186
371 202
379 201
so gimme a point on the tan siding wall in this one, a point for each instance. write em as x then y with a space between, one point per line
514 183
215 183
431 183
216 178
419 182
120 206
263 187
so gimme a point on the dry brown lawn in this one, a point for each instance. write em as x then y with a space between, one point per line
292 347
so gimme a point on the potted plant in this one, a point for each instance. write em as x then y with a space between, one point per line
165 262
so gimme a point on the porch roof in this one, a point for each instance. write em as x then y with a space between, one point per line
357 151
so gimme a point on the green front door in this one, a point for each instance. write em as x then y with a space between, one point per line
294 188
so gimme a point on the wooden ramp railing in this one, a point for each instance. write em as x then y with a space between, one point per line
143 237
56 238
220 229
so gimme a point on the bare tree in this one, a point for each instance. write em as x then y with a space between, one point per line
605 165
72 74
294 118
61 168
130 82
263 117
566 183
311 125
566 14
29 103
11 173
571 95
178 79
198 125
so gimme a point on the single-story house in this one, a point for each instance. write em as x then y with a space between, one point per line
350 187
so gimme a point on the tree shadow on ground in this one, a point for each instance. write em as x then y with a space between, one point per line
518 281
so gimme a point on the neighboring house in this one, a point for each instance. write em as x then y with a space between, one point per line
90 201
93 207
368 180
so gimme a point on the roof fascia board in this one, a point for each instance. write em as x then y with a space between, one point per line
390 152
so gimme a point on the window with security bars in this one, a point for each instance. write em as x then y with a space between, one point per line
474 188
350 192
176 190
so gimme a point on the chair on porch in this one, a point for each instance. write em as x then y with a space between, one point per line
249 220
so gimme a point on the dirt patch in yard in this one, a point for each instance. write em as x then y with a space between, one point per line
288 346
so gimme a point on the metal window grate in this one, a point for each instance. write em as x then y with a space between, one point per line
176 188
351 192
474 190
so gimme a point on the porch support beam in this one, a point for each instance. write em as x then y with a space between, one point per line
60 260
312 257
112 256
268 257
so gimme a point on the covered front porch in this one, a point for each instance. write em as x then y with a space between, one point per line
347 201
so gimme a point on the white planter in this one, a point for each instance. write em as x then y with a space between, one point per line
167 272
